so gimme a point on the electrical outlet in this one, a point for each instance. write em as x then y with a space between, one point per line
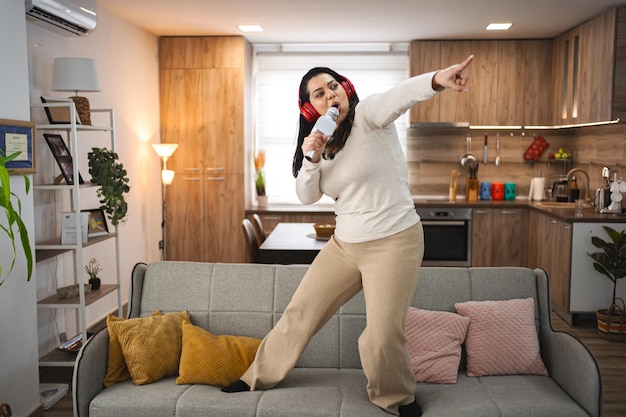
161 244
62 337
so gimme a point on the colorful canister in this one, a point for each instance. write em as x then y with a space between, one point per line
485 191
497 191
510 191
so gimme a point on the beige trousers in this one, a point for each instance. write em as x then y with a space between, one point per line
387 272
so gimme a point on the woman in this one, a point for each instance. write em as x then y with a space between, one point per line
378 243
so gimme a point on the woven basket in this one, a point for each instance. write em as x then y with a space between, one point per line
612 326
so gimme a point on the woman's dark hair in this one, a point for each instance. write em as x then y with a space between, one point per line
341 133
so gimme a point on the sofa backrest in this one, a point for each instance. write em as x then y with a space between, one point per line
248 299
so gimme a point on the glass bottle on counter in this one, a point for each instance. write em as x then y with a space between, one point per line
574 192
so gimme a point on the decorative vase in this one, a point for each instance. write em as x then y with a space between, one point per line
261 201
95 283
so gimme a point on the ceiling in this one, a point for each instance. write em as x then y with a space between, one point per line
366 21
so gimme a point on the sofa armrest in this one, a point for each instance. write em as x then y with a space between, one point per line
89 371
573 367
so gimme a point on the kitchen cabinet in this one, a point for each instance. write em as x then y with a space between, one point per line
507 80
550 248
590 71
499 236
47 248
203 106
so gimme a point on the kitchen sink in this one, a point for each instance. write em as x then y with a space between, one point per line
555 204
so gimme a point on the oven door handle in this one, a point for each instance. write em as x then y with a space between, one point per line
450 223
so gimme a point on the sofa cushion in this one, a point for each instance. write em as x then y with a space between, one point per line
117 371
502 337
151 346
434 341
213 360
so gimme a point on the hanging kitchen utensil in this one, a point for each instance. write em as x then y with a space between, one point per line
498 161
485 151
468 159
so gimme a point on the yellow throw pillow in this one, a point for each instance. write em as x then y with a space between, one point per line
151 346
117 371
214 360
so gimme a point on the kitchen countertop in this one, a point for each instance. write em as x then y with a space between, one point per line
564 214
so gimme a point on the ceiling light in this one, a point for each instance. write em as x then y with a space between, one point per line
250 28
499 26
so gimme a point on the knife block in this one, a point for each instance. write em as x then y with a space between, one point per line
471 189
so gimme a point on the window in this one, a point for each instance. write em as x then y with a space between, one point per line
277 76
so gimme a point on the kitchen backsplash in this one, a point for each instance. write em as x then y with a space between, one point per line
432 153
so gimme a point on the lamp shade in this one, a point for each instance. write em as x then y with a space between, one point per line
165 150
75 74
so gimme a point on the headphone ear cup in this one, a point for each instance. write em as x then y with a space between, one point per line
347 85
308 112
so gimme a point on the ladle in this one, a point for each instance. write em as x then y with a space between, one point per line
468 159
498 162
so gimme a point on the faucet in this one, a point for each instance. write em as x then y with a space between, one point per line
582 171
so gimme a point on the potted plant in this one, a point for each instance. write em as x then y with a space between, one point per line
611 262
13 217
93 269
259 179
109 173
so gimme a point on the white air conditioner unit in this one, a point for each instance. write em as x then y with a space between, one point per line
67 17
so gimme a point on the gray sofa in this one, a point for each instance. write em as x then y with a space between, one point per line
247 299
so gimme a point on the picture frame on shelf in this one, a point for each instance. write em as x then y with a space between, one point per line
97 223
18 136
63 157
59 115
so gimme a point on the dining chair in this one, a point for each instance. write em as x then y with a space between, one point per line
258 228
251 240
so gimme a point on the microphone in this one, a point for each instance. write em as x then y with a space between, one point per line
326 125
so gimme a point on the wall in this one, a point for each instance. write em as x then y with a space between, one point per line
127 63
18 320
433 153
127 66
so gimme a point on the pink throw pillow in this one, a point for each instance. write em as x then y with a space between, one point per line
434 341
502 338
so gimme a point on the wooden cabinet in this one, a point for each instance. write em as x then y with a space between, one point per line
550 248
499 237
590 71
506 82
202 109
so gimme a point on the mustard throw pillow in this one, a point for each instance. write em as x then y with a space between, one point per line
151 346
117 371
214 360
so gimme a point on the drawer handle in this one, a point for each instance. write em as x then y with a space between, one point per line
191 178
510 211
191 169
215 178
212 169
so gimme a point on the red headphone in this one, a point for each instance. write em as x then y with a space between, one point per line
311 115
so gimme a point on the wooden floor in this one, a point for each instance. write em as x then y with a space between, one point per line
611 357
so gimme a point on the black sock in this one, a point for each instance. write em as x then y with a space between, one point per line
238 386
410 410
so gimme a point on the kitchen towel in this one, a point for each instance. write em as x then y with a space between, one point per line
537 187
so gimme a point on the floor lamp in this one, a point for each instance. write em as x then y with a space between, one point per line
165 150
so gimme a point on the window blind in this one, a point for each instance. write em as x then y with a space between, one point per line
276 80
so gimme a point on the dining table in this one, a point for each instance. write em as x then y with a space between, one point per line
291 243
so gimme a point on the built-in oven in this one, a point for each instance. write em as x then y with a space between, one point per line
447 236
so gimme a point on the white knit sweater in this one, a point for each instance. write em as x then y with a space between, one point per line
368 178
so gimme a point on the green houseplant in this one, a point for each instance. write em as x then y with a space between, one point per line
106 171
13 217
611 262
